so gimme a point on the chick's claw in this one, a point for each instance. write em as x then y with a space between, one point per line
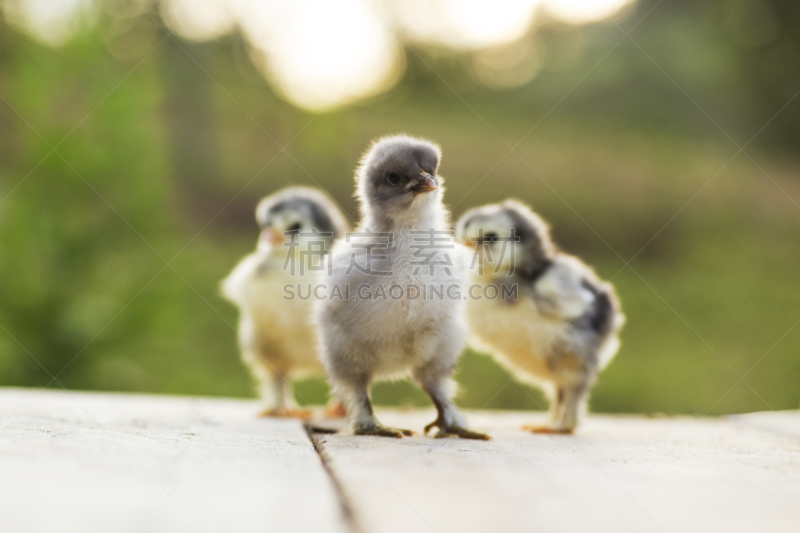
547 430
301 414
455 431
383 431
462 433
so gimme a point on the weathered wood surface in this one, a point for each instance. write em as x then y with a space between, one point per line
106 463
617 474
90 462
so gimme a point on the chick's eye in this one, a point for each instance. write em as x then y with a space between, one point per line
294 227
490 237
393 178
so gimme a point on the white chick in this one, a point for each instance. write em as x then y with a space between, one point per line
379 326
548 318
271 287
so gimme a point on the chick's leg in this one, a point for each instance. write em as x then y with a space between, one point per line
555 414
277 390
449 419
365 421
434 377
565 409
574 402
274 387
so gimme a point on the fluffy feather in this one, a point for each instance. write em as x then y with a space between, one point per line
563 326
276 337
369 337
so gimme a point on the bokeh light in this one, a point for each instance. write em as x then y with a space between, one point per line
320 55
199 19
52 22
582 11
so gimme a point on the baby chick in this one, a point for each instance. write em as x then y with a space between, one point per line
554 321
276 336
380 326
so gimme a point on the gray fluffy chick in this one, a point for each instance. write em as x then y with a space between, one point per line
276 335
370 329
557 325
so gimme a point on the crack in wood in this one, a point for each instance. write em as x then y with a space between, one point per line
315 436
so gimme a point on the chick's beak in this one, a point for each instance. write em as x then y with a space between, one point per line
272 236
424 183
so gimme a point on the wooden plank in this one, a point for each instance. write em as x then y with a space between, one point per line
89 462
617 474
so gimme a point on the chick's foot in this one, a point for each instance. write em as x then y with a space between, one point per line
455 431
547 430
336 409
300 414
382 431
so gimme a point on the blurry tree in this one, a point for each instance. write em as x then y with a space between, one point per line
769 32
69 261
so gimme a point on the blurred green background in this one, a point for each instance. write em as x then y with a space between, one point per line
132 157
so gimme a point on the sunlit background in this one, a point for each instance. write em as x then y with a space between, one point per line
659 138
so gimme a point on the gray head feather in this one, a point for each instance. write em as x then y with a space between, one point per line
393 172
324 215
534 249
